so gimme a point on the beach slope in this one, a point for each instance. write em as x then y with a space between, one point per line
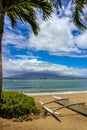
69 120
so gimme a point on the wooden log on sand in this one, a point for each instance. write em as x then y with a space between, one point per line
80 108
54 114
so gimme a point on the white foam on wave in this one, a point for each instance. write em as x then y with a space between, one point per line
52 93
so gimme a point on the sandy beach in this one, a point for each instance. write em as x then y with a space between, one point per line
69 120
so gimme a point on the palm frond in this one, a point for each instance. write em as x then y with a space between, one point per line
78 21
44 5
79 5
13 18
24 10
26 17
78 14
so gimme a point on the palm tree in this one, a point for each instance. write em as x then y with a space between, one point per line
78 15
23 10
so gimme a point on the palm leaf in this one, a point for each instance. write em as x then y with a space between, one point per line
78 14
45 6
24 10
77 20
21 13
13 18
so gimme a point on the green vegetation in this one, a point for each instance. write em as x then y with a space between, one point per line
17 104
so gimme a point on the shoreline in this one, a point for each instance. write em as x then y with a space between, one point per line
52 93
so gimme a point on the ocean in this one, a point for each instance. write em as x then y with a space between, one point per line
45 86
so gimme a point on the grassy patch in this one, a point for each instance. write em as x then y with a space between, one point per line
17 104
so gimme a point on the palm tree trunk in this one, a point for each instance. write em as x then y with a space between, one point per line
1 34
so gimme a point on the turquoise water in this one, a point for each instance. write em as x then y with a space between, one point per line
44 86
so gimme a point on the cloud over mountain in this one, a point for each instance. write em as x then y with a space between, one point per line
20 66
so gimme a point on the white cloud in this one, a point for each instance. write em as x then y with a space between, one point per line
20 66
81 40
68 9
16 39
55 36
85 9
28 56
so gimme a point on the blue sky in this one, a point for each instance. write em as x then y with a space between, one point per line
59 48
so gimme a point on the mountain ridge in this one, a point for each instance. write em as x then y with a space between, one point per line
43 75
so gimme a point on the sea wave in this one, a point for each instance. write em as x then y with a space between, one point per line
53 93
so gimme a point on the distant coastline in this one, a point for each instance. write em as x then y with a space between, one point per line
14 78
43 75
